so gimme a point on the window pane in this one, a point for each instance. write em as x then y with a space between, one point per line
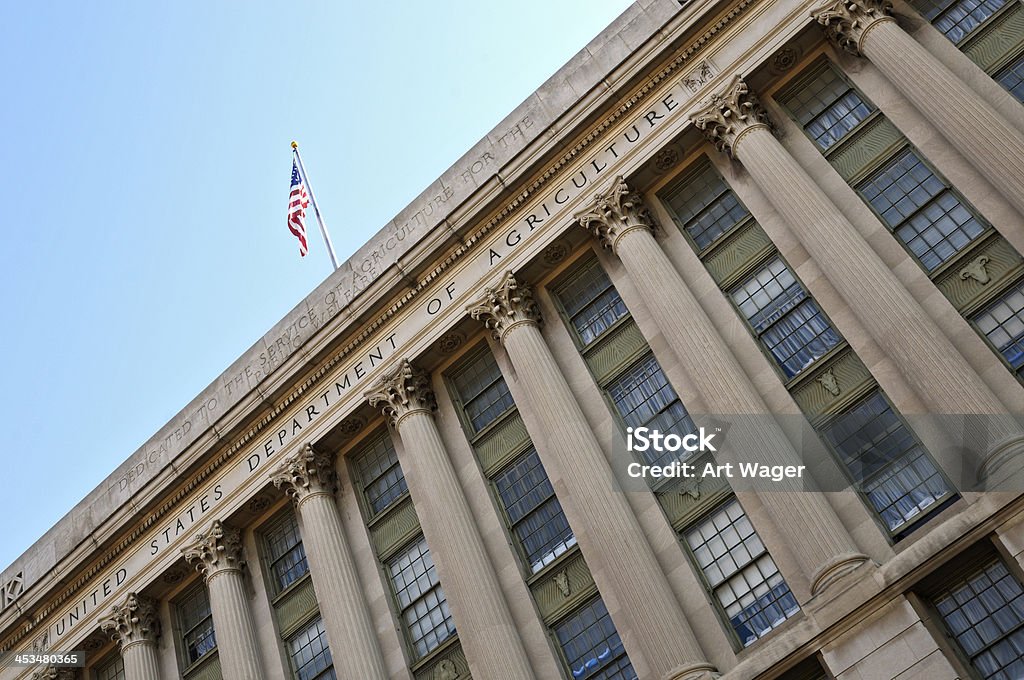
1012 78
984 613
741 573
592 646
591 302
706 207
828 108
886 461
483 391
113 670
311 657
287 556
424 608
536 515
785 319
921 210
643 397
381 475
1002 322
957 19
198 637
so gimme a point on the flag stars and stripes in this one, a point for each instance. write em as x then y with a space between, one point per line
298 200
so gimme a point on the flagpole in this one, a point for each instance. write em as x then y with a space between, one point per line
316 209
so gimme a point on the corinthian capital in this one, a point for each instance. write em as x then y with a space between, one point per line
135 620
615 211
305 472
219 548
403 391
508 305
847 22
730 114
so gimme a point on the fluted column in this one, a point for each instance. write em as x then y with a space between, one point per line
738 125
135 626
308 476
994 146
486 628
217 555
648 617
621 222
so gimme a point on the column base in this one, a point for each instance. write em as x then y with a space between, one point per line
1002 468
692 671
835 569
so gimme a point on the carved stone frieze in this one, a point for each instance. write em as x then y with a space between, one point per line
403 391
135 620
505 306
730 114
613 212
216 549
847 22
305 472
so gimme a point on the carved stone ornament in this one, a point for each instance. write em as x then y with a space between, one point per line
666 159
613 212
405 390
52 673
828 382
847 22
446 670
505 306
450 342
555 253
691 488
304 472
562 582
217 549
975 269
135 620
728 115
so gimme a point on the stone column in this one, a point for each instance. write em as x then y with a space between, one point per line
654 630
866 28
620 221
739 126
135 626
308 476
484 621
217 555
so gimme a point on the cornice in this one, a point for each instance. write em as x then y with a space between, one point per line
540 180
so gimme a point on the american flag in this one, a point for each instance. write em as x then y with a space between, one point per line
297 202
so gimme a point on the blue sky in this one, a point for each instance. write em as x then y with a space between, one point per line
145 179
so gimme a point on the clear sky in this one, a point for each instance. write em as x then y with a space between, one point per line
145 180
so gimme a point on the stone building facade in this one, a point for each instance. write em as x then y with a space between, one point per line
813 211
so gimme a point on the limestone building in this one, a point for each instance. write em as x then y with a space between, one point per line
718 208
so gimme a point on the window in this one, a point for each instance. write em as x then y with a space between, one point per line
1012 78
591 302
196 623
1002 322
286 555
592 646
534 512
310 655
886 462
827 107
482 391
785 319
740 572
957 19
705 207
424 609
984 613
381 475
643 397
112 669
920 209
